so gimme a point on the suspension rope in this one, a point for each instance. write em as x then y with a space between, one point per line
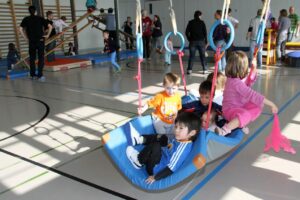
139 49
225 9
173 18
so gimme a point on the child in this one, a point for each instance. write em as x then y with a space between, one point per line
220 84
168 55
91 5
60 24
110 47
166 105
199 107
274 24
241 104
12 56
212 120
72 50
160 158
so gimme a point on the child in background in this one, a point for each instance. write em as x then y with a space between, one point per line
212 120
160 158
220 84
168 55
166 105
241 104
110 47
274 24
199 107
72 50
60 24
12 56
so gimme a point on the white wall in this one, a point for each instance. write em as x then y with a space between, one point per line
243 10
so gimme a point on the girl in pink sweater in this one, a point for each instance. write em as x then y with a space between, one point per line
241 104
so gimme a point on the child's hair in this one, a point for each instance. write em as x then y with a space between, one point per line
219 12
237 65
213 116
220 82
205 87
283 13
63 18
11 47
171 78
191 121
106 31
48 13
70 44
273 19
102 10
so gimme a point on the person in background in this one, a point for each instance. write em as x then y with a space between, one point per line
147 32
168 55
12 56
91 5
111 47
72 49
51 45
33 29
235 24
60 24
127 27
284 25
295 24
252 35
156 33
220 36
196 34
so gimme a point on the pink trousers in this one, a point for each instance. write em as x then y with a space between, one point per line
245 114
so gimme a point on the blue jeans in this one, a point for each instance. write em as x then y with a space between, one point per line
200 46
222 62
49 47
259 54
168 57
113 60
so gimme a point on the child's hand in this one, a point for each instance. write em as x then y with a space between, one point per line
150 180
274 109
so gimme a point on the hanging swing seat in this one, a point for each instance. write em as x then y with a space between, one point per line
208 147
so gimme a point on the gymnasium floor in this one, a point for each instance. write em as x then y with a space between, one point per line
50 144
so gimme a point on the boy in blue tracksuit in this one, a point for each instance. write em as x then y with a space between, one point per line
160 158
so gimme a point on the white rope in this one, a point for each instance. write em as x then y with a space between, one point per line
173 18
138 19
225 9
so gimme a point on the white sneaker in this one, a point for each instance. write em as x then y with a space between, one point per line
132 155
246 130
136 138
42 79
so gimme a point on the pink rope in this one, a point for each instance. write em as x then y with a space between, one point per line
180 55
138 77
218 57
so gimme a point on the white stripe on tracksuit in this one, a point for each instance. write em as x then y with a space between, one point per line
175 157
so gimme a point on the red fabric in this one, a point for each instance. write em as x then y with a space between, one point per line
276 140
147 23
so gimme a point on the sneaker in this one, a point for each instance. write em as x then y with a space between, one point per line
189 72
42 79
117 70
136 138
132 155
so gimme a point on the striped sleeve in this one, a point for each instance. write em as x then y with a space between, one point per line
179 156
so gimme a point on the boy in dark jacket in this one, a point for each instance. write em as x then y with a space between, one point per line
110 47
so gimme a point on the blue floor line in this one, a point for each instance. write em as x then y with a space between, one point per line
236 152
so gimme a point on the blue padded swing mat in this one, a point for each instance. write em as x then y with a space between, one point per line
294 58
116 143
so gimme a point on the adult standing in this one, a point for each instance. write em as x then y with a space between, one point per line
235 24
156 33
51 45
111 23
196 34
127 26
295 24
252 35
219 37
33 30
146 29
284 25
